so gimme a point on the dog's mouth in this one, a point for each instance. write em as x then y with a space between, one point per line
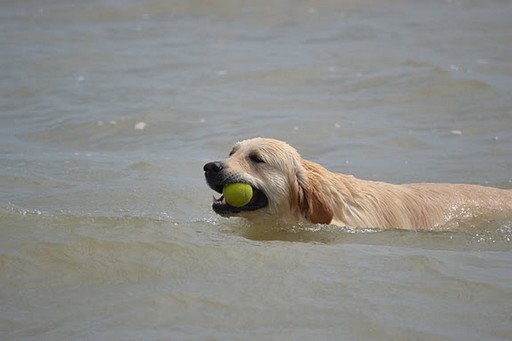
220 206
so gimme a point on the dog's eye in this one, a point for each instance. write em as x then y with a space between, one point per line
256 158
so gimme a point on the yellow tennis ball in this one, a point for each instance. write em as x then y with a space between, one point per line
237 194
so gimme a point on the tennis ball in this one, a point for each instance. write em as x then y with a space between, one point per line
237 194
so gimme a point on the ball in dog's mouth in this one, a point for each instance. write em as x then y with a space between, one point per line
257 201
237 194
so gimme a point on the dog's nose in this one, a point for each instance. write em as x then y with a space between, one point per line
214 167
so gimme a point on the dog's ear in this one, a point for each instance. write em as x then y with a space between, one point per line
313 203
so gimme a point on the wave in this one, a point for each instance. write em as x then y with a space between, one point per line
475 234
162 232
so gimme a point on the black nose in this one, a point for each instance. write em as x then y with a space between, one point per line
214 167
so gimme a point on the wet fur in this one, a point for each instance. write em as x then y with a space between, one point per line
303 191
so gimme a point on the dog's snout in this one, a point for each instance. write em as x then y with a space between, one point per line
213 167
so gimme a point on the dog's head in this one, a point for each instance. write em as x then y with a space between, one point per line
285 186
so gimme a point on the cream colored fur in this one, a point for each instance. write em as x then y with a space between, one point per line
303 191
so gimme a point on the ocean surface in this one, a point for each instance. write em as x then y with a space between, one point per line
109 110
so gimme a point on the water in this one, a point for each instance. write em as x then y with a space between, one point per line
109 109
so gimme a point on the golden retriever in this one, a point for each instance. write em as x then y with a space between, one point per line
291 190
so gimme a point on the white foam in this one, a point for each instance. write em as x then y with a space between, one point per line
140 125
